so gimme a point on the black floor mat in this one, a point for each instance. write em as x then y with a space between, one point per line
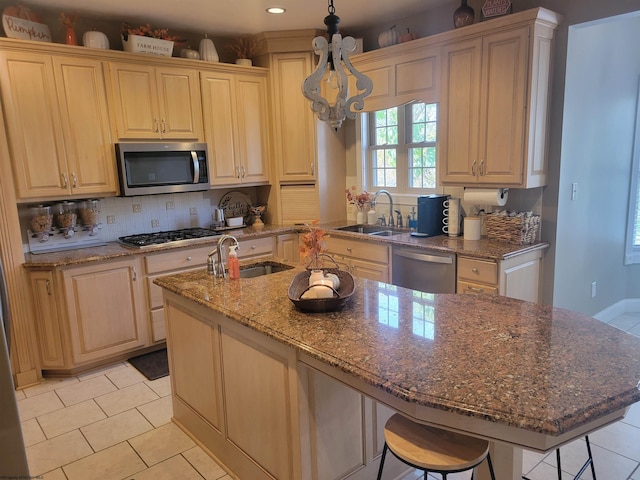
152 365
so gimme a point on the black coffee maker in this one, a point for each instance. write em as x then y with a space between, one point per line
431 214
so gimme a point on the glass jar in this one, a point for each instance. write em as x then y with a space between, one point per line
89 211
40 219
65 214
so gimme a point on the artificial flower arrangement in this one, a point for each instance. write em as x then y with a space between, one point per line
149 31
313 246
243 47
360 199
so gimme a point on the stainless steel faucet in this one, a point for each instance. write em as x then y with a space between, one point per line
215 266
373 204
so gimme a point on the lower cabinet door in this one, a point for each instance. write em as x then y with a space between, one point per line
105 309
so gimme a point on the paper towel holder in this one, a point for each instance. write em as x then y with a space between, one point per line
503 191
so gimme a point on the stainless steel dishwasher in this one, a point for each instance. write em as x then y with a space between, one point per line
423 270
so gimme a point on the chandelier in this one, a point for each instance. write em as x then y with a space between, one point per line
333 65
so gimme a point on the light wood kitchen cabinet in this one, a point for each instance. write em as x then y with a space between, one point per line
167 263
495 96
287 246
90 314
153 102
264 413
236 127
46 295
515 277
254 248
105 309
58 125
362 259
400 74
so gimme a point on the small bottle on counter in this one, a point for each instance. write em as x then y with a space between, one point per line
233 264
371 217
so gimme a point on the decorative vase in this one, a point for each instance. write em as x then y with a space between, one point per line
360 217
70 36
463 15
208 51
244 61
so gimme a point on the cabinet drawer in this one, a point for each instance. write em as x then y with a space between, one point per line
481 271
176 260
466 287
255 247
155 292
366 251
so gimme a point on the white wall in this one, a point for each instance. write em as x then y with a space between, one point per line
603 67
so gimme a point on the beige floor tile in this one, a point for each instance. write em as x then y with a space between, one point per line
158 412
32 433
20 395
48 385
161 386
161 443
636 474
56 452
170 469
32 407
126 399
531 459
70 418
204 464
619 437
609 465
100 371
633 415
125 377
56 474
115 463
85 390
544 471
116 429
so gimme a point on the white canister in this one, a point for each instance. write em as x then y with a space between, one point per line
208 51
372 217
472 228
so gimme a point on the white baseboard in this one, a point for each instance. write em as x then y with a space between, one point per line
628 305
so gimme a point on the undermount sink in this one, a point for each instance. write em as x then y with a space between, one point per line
377 230
262 268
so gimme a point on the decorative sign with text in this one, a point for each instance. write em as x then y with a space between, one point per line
18 21
496 8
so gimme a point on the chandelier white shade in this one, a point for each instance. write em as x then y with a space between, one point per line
334 65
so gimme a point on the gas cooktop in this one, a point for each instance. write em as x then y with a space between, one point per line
142 240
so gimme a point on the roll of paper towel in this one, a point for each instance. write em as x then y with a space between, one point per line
486 196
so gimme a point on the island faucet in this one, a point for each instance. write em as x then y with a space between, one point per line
373 204
215 265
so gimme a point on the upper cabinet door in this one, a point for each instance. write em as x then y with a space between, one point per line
85 121
180 104
33 125
134 98
294 123
253 127
155 103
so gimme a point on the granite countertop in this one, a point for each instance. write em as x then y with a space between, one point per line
483 249
525 365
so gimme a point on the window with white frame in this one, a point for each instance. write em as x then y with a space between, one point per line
632 250
402 149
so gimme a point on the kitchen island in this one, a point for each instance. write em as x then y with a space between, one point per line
272 392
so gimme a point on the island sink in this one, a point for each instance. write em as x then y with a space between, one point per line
262 268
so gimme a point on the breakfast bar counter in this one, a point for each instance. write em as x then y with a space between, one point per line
520 374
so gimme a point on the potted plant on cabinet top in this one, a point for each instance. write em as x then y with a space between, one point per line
244 48
146 39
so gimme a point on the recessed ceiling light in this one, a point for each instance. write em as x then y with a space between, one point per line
276 10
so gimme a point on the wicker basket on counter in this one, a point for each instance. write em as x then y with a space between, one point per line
522 229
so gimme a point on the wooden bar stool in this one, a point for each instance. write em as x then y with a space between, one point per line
433 450
588 463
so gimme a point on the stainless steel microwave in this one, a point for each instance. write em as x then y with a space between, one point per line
151 168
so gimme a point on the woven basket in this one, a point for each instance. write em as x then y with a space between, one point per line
522 230
300 284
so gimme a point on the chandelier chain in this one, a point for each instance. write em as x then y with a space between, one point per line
331 8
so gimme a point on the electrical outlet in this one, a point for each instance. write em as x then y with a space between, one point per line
155 223
193 211
170 206
593 289
137 208
111 219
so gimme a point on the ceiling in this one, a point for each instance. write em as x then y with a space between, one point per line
228 18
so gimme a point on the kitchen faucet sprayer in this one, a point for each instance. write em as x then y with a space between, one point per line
215 266
373 204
